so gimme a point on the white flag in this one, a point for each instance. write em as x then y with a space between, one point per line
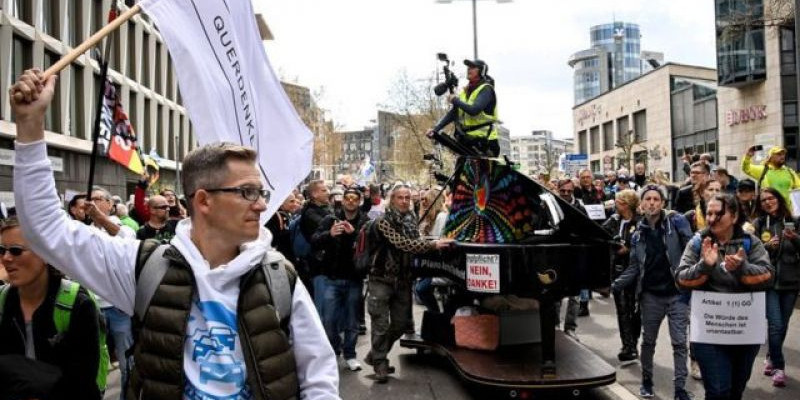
230 90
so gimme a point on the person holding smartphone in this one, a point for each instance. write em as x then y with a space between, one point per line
773 173
777 230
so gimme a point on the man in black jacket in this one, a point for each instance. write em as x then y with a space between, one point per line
336 235
314 211
698 174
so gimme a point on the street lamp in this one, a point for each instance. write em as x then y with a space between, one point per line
474 21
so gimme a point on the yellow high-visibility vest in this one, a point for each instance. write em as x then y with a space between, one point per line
467 121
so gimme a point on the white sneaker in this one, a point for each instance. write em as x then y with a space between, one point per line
353 364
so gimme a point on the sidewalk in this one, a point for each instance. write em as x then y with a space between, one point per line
599 332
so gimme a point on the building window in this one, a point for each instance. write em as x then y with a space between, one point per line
52 117
790 113
608 136
170 76
146 129
49 17
77 102
146 68
622 128
97 19
787 51
582 142
132 113
640 125
158 86
21 59
160 135
73 23
741 55
22 10
130 68
594 139
171 139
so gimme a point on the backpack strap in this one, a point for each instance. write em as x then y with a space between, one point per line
280 288
3 294
65 300
149 277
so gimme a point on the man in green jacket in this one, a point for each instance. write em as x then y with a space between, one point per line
773 173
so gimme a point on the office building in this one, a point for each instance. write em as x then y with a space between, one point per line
537 152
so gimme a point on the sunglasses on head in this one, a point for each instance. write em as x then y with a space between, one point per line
15 251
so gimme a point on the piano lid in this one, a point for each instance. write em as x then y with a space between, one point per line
493 203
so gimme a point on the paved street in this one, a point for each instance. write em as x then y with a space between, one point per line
431 377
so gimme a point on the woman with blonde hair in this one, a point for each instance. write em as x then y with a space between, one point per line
431 209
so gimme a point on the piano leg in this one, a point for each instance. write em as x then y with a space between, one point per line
548 324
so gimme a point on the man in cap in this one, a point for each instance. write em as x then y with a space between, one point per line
746 196
474 111
773 173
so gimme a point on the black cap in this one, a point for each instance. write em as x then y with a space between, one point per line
623 178
746 185
479 64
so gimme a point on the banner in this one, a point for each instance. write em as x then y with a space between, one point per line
229 89
728 318
117 138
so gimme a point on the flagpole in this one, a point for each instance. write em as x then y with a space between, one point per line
100 94
88 44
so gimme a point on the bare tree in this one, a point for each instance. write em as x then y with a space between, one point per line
748 14
626 144
416 110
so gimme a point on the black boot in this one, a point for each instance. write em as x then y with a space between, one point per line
583 310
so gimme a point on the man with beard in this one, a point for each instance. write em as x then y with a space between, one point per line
656 249
389 301
588 193
773 173
159 226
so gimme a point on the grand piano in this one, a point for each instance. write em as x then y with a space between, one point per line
514 237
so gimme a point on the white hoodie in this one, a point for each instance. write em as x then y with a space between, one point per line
213 361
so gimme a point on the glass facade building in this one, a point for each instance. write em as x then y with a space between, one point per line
615 57
741 54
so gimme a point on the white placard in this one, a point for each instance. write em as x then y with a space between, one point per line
595 211
728 318
483 273
795 196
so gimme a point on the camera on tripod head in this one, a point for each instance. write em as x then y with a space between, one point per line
450 80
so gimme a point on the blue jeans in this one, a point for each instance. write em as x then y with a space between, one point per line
780 304
653 310
319 283
341 314
725 368
118 324
424 291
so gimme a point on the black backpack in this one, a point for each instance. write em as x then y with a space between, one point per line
367 248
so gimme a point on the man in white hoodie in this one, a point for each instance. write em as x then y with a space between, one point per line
211 330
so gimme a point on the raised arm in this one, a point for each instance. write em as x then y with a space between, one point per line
101 263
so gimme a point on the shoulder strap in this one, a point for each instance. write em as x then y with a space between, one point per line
149 278
3 294
763 174
747 242
65 300
280 289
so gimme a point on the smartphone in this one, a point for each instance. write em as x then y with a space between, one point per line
789 225
758 147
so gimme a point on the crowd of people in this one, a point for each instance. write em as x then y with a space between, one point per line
714 233
187 289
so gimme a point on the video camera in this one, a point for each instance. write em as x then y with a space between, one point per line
450 80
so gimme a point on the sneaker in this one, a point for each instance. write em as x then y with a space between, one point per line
682 394
353 364
694 370
768 370
627 355
571 333
646 390
778 378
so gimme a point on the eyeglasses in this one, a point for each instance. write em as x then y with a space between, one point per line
15 251
351 198
248 193
99 199
766 199
565 191
164 207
